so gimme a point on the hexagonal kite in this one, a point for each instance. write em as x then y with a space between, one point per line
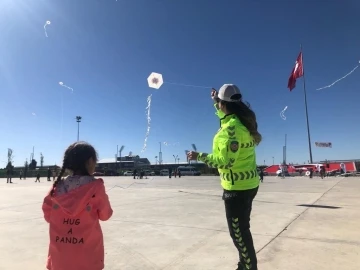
155 80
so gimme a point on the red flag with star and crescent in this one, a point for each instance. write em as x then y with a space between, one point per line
296 73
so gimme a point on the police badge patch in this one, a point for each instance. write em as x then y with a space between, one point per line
234 146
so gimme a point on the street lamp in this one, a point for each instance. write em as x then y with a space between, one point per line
273 160
160 155
120 151
175 157
78 120
178 160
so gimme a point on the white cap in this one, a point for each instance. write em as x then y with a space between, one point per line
227 91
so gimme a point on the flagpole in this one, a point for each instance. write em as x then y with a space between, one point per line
306 109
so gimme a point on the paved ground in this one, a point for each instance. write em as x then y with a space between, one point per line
180 225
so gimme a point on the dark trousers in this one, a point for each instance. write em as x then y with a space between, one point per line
238 211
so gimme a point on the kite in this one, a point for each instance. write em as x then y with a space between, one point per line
47 23
148 122
34 114
330 85
323 144
282 113
155 80
62 84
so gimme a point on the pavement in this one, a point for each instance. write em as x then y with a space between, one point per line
179 224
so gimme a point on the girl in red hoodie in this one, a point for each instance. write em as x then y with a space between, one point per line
73 209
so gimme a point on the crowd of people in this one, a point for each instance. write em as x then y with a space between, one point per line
10 174
139 174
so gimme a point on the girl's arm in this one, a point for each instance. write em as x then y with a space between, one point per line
46 207
104 208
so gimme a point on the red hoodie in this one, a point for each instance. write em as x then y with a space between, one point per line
76 239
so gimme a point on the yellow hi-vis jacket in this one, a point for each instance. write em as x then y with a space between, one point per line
233 154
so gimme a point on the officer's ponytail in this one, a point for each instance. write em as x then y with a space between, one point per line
245 114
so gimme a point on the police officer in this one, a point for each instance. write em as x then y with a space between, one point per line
234 157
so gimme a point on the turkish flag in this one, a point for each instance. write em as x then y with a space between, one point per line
297 72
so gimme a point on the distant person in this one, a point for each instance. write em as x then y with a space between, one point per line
322 172
9 173
283 171
318 169
234 157
48 174
261 174
54 174
21 172
134 173
175 172
73 209
311 170
37 177
170 172
342 168
179 173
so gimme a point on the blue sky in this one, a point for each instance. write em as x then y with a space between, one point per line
106 49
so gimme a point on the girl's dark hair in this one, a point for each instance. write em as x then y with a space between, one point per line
245 114
75 158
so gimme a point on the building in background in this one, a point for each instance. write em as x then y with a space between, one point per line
113 166
122 164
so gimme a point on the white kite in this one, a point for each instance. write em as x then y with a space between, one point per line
62 84
47 23
34 114
328 86
155 80
148 108
282 115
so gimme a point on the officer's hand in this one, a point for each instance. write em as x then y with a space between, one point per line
214 93
192 155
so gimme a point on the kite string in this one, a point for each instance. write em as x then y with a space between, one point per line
62 116
188 85
173 144
148 108
72 90
328 86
